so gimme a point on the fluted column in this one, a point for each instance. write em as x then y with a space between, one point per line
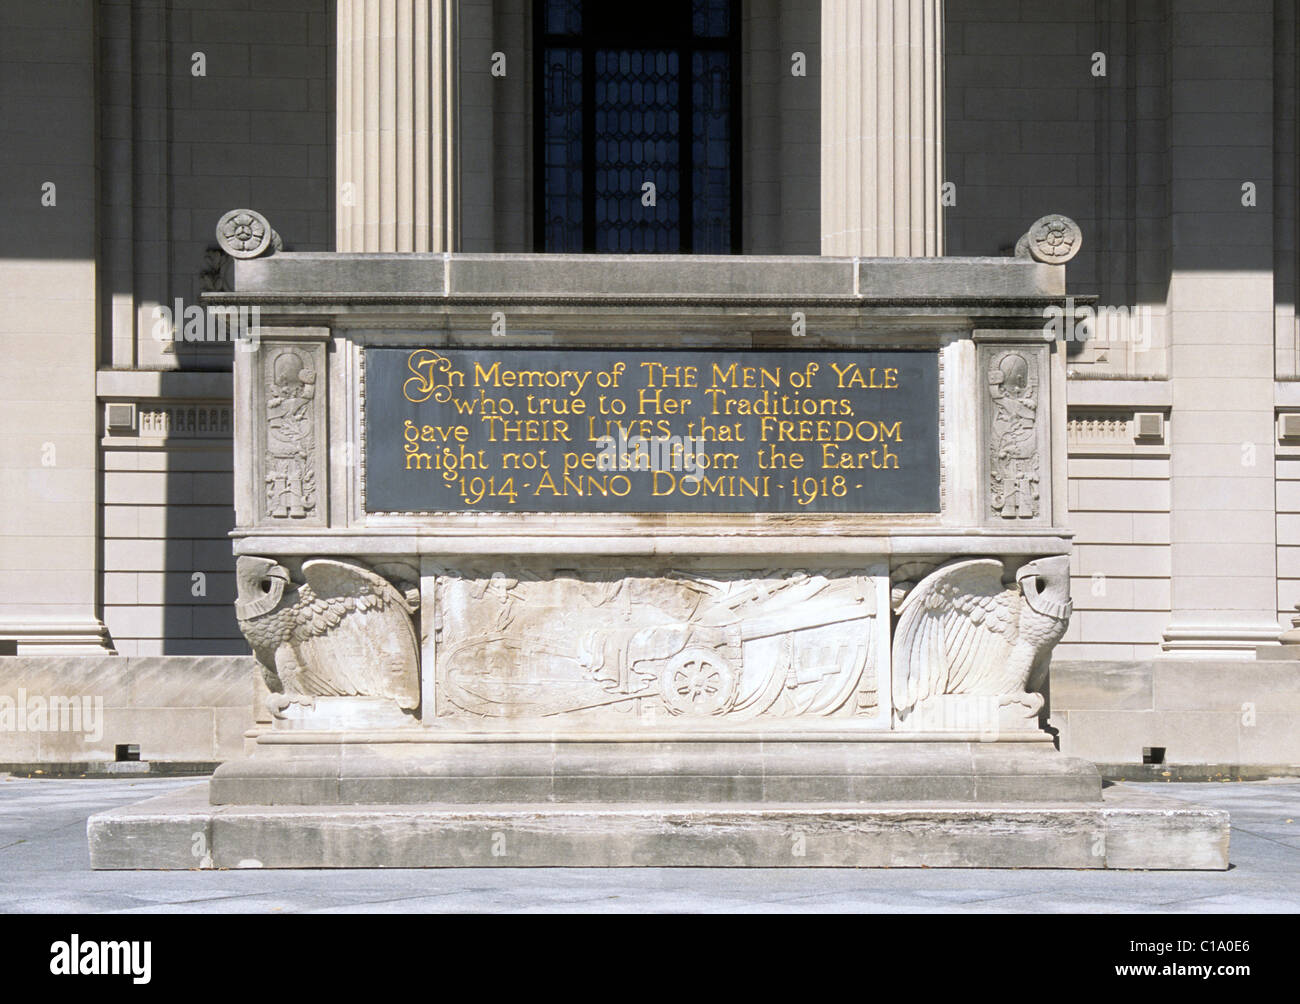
396 125
882 127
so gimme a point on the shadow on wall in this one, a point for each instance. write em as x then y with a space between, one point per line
1098 114
243 115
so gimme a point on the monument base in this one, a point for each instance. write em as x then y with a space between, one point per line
769 803
409 768
1126 829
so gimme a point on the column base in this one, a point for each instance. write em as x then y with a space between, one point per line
79 636
1192 641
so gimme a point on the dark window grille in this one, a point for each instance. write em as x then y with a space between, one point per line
628 95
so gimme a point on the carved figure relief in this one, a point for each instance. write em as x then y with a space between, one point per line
683 646
290 436
1013 448
962 632
343 631
215 276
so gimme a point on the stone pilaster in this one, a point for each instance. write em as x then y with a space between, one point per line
1221 299
396 125
49 459
882 127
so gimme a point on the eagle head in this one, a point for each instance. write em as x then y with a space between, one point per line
1045 584
260 585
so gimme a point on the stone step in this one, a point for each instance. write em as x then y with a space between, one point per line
1126 829
666 773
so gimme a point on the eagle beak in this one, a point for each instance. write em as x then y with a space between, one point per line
1038 579
262 583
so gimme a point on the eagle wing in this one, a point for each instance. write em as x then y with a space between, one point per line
956 627
356 629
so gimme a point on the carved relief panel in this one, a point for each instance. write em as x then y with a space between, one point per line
289 433
602 649
1015 404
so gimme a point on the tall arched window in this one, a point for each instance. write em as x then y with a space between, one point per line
630 96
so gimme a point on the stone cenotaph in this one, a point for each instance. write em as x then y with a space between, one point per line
656 560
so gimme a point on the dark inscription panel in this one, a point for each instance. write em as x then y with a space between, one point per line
702 431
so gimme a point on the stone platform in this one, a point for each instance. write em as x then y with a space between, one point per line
1125 829
672 770
704 803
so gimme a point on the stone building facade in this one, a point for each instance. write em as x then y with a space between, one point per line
868 128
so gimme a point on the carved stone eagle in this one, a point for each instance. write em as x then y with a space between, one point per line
961 631
345 632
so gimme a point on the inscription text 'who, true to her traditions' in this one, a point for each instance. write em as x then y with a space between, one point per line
708 431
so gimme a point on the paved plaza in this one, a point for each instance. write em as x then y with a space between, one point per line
44 869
